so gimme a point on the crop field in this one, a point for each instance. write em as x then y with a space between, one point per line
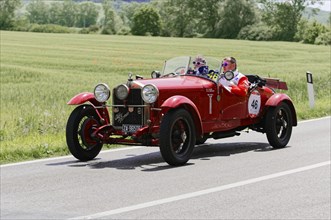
40 73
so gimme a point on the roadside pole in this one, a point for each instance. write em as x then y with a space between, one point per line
310 87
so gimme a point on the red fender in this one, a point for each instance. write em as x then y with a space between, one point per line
276 99
89 97
182 101
82 98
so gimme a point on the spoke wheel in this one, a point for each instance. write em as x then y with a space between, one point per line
85 129
279 125
177 137
81 124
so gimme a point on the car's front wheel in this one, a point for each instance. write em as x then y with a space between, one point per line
177 137
81 124
278 125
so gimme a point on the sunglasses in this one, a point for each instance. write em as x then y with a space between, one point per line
198 63
225 64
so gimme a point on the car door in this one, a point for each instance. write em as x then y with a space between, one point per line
232 106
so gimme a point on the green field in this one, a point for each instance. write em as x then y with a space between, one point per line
41 72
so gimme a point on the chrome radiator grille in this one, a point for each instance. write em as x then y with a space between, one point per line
128 113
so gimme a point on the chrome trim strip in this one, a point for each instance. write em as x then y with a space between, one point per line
210 103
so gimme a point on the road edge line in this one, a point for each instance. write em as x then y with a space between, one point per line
66 157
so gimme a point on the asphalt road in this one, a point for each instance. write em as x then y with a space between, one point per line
233 178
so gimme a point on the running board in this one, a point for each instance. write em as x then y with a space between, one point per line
226 134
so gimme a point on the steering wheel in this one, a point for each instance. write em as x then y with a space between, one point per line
180 70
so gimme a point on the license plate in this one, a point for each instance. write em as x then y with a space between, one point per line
127 128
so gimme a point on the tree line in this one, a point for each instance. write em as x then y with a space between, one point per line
240 19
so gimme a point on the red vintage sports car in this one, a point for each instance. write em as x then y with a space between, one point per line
176 111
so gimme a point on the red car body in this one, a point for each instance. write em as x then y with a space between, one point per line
187 110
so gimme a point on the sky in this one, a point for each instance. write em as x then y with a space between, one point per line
325 7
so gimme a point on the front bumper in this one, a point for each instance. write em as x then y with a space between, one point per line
108 134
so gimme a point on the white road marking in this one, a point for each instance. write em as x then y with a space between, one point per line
66 157
315 119
200 193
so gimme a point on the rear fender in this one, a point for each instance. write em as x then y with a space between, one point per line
183 102
84 97
276 99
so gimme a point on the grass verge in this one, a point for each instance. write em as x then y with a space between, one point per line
40 73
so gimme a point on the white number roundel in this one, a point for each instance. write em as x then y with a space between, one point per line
254 104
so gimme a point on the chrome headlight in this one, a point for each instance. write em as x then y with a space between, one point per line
101 92
149 93
122 91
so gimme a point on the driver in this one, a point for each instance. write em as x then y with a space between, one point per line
239 84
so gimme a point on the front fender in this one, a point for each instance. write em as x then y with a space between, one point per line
82 98
276 99
178 101
89 97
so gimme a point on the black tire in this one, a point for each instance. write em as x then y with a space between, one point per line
177 137
278 125
78 133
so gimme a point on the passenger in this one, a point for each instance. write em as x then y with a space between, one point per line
239 83
200 67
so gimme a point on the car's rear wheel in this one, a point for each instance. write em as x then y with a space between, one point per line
81 124
278 125
177 137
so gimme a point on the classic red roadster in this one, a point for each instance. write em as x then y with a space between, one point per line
176 111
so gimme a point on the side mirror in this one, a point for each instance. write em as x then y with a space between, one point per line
228 75
155 74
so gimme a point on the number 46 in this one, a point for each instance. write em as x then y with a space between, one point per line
255 104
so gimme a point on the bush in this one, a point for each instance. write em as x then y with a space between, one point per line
257 32
49 28
324 39
312 31
301 28
93 28
84 31
124 31
21 25
107 31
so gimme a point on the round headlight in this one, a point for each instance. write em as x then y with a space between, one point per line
122 91
101 92
229 75
149 93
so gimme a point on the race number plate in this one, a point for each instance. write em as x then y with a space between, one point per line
254 104
129 129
